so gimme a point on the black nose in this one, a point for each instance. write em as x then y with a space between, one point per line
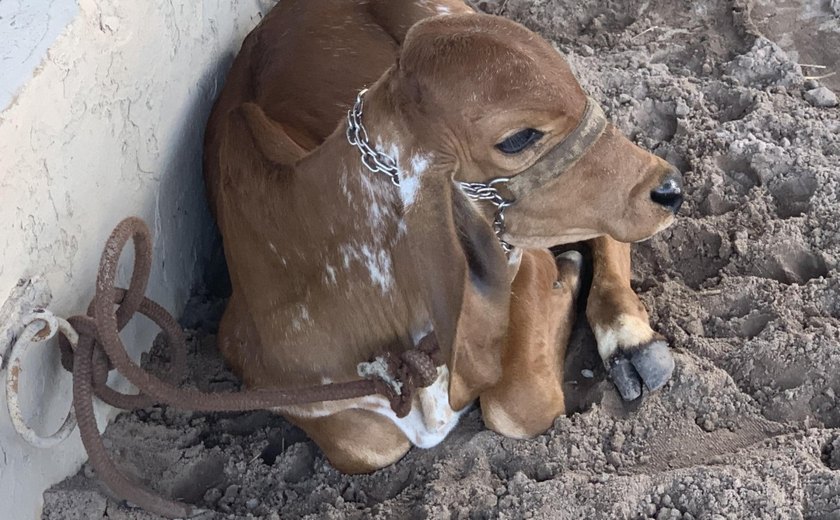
669 193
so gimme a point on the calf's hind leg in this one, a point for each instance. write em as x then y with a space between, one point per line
529 396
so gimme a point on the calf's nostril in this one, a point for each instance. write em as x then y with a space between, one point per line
669 194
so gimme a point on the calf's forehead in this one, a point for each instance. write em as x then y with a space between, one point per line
480 62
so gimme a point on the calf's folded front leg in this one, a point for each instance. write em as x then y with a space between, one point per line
529 395
632 352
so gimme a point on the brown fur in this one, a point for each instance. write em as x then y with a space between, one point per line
529 395
297 209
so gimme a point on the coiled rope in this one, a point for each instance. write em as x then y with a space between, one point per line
99 349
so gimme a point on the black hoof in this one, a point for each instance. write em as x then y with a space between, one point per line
654 364
625 378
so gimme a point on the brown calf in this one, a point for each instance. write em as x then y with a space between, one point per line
332 264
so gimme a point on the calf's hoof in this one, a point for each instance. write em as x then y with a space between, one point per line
651 364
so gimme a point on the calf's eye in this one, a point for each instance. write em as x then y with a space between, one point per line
519 141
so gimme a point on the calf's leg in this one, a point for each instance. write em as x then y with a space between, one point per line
632 352
529 396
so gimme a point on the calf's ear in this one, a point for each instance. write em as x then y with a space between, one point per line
464 280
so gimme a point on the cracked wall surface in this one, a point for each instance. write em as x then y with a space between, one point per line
105 105
27 30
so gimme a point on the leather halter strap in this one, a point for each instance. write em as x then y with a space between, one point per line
563 156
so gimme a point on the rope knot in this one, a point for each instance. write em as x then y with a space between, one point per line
399 377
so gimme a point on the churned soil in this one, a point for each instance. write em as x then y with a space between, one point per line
745 285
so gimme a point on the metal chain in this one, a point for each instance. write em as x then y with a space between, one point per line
357 135
488 192
378 162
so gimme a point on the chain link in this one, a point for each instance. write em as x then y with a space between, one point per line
357 135
488 192
378 162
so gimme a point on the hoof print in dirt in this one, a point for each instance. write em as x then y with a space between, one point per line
652 365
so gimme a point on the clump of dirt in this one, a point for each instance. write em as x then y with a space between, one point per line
745 285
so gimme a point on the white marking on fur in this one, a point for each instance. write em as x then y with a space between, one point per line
514 262
273 249
431 418
330 276
442 9
375 258
373 187
394 152
347 255
515 257
379 267
410 181
427 424
378 201
342 181
301 317
626 331
435 416
607 341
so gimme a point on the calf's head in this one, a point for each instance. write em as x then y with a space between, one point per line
492 99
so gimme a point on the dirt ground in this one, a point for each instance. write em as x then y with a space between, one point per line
746 286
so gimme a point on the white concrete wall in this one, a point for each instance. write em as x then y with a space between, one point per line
102 110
